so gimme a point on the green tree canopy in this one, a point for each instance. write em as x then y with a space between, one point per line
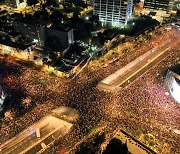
32 2
56 15
53 3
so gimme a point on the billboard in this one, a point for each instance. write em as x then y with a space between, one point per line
176 6
174 90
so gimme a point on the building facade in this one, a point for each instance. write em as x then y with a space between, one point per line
163 5
113 12
65 36
33 32
172 82
39 31
16 3
15 49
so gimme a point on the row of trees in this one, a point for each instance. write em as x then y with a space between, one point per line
54 3
92 146
115 146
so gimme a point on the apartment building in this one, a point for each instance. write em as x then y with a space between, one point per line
31 30
39 31
65 34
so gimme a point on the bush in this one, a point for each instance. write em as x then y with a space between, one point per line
51 73
92 130
138 132
152 143
146 137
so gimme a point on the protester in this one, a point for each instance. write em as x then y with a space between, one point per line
141 105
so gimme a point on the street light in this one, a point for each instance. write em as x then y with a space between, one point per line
87 18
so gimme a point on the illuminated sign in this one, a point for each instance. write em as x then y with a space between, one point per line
176 6
175 89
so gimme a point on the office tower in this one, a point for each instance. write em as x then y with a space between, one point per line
113 12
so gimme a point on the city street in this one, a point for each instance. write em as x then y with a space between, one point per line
33 138
142 105
136 68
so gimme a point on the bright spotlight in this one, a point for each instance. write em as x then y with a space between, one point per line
175 89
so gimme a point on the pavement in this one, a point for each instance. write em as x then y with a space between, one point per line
134 146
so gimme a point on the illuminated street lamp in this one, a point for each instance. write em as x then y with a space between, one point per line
87 18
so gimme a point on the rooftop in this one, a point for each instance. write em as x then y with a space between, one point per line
176 69
14 45
33 21
178 81
45 23
61 27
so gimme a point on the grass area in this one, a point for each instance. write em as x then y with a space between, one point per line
138 132
51 73
93 130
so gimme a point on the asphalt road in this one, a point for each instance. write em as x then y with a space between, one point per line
50 129
161 51
143 66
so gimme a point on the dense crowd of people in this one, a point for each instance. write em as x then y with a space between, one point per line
141 105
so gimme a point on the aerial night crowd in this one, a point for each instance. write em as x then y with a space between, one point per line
141 105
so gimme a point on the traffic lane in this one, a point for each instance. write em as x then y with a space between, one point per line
139 66
25 142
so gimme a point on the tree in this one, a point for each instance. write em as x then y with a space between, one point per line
37 14
56 15
101 38
75 17
178 13
1 1
53 3
28 16
32 2
116 146
43 14
79 3
75 48
89 28
94 19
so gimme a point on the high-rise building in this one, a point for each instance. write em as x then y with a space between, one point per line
113 12
16 3
164 5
